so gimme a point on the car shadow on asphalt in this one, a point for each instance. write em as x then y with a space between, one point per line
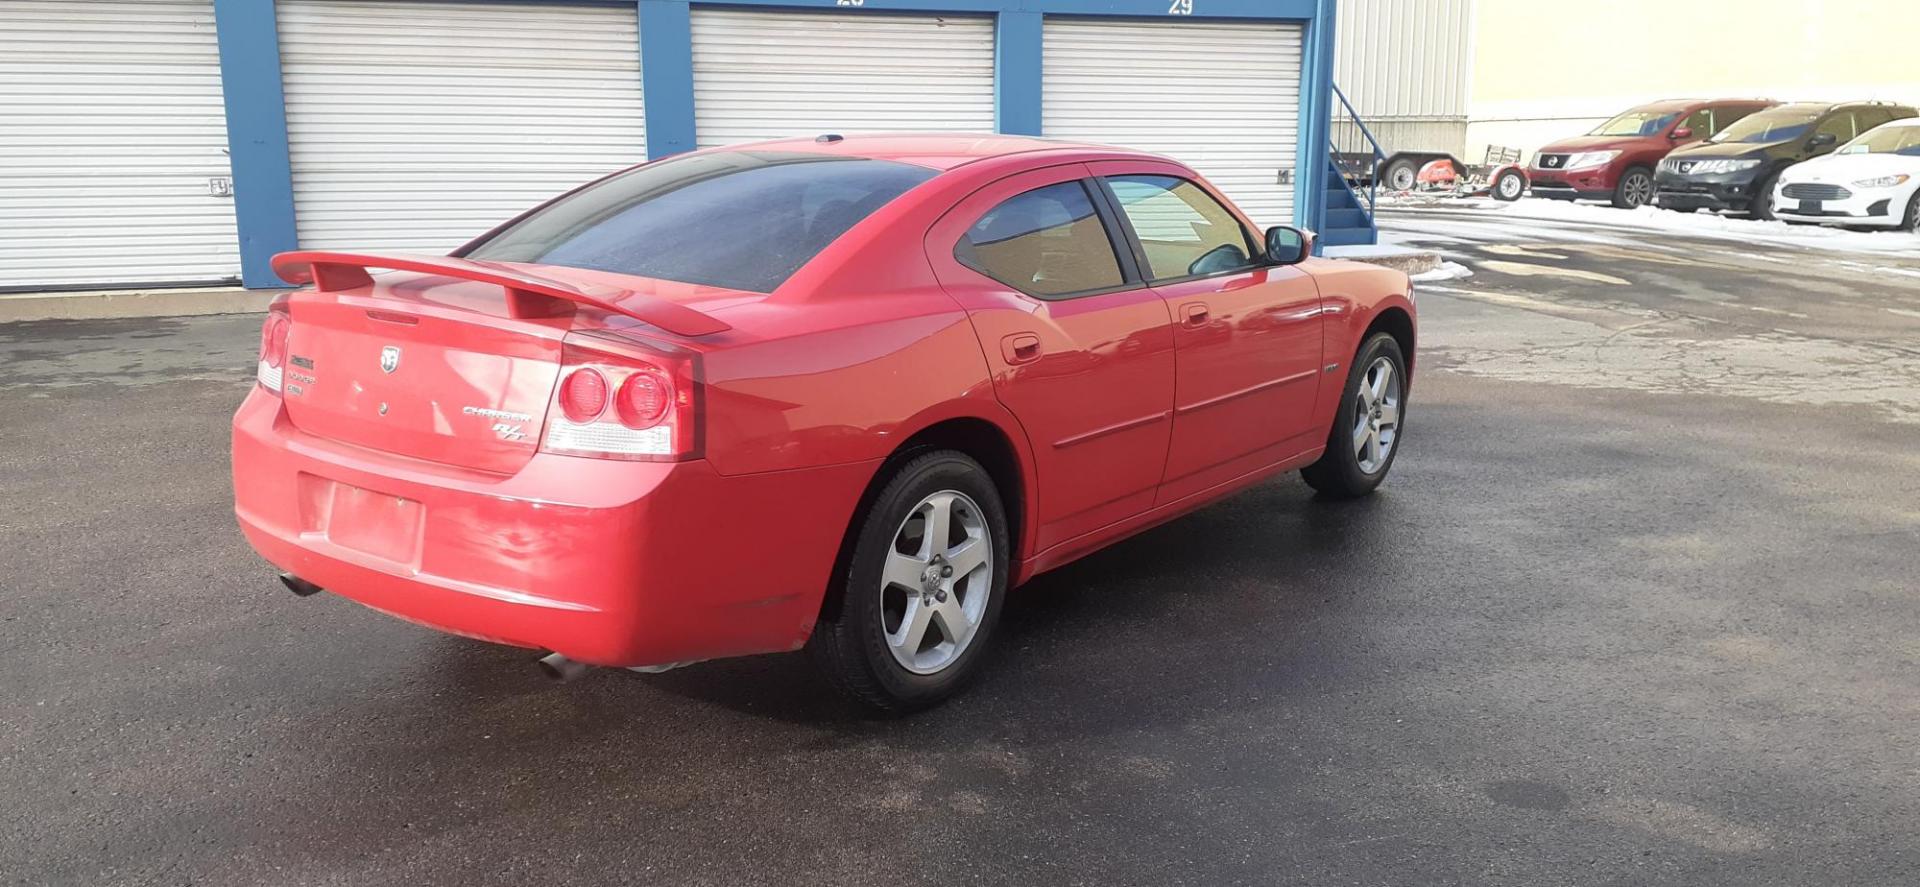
1080 631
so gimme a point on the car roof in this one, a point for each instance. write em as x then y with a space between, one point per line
1683 104
1835 106
940 151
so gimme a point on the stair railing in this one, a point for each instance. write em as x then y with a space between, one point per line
1356 153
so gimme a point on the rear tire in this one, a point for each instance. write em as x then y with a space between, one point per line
1635 188
1358 454
1400 175
1508 186
868 641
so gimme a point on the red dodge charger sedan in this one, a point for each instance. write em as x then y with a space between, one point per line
833 393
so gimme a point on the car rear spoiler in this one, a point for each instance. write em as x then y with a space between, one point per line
528 295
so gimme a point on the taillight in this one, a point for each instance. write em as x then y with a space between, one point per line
273 346
645 398
583 395
621 398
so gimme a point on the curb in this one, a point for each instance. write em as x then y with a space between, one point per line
1409 262
118 304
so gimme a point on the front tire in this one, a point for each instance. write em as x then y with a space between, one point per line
1912 221
910 621
1635 189
1508 186
1760 206
1366 429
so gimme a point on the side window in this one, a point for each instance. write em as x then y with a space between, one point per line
1701 122
1045 242
1868 118
1184 231
1725 117
1840 125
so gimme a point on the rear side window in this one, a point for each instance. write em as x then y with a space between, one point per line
743 220
1868 118
1044 242
1184 231
1728 116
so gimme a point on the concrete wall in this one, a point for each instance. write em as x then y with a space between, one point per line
1540 72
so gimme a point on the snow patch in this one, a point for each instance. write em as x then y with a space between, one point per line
1446 271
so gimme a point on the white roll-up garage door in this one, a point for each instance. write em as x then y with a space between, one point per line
417 126
765 75
113 164
1223 98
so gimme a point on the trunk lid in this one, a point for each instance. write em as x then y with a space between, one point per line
446 359
404 370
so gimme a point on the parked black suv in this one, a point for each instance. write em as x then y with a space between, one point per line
1739 163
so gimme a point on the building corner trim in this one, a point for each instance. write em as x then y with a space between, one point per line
256 114
1017 54
666 76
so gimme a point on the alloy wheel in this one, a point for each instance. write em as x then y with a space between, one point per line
1639 190
1376 412
938 577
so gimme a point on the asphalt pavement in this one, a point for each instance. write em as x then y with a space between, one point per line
1638 606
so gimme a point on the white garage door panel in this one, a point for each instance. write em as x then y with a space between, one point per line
1222 98
418 126
764 75
111 126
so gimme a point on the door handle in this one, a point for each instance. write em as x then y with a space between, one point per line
1020 348
1194 314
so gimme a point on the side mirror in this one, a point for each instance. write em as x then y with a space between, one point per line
1288 246
1822 140
1682 134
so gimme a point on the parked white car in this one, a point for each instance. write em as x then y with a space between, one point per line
1872 180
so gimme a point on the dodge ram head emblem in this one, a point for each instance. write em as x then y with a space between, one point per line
389 358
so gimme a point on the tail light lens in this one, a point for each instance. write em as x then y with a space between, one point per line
621 397
644 399
273 346
583 395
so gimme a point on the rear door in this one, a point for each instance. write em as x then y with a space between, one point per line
1080 350
1246 335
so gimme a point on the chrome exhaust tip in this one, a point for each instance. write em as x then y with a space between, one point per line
299 586
559 668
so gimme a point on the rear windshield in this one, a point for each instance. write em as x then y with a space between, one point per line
1636 123
742 220
1776 125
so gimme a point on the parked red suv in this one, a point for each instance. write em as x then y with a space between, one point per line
1616 160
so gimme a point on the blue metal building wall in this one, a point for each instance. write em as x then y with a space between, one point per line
257 119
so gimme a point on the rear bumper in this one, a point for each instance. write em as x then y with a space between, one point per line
608 562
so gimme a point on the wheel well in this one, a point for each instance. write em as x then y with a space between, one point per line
981 440
1396 323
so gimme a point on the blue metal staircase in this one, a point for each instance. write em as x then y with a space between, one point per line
1352 189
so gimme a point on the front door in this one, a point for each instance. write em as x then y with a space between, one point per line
1246 334
1080 350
